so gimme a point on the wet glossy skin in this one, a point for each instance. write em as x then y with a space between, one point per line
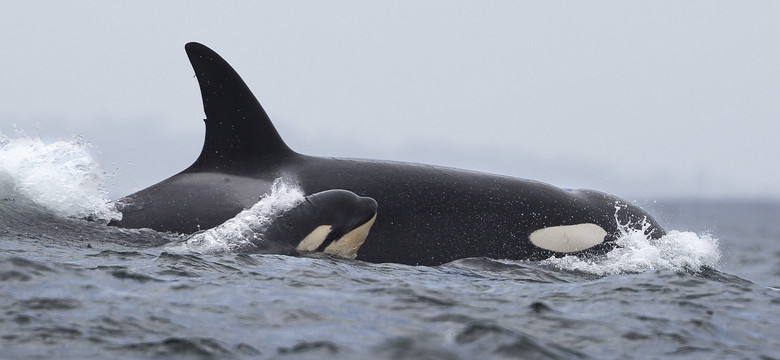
428 215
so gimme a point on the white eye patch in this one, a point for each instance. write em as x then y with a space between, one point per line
349 244
568 238
314 239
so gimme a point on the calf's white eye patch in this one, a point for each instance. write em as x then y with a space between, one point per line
347 246
568 238
314 239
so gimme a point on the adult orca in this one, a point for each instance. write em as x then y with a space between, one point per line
334 222
429 215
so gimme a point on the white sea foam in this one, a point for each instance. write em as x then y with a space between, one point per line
677 250
246 227
61 177
636 252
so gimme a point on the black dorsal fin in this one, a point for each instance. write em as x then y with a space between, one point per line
238 131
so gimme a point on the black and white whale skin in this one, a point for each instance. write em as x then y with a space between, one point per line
334 222
428 215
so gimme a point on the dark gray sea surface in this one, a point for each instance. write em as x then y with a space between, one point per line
73 289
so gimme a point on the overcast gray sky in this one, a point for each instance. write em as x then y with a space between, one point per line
640 99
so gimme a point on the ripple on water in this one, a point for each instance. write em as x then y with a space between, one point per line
175 347
191 265
314 349
20 269
128 275
49 304
120 255
482 337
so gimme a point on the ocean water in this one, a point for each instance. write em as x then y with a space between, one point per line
71 288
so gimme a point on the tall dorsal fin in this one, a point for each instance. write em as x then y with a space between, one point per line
238 131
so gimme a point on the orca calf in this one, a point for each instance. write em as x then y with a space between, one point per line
429 215
334 222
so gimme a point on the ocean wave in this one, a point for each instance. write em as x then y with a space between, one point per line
61 177
244 229
635 253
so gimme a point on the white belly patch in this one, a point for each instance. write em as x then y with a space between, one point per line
568 238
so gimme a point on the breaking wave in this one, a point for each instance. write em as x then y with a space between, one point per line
677 250
61 177
636 252
246 227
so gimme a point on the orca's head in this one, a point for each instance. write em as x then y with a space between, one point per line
334 222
